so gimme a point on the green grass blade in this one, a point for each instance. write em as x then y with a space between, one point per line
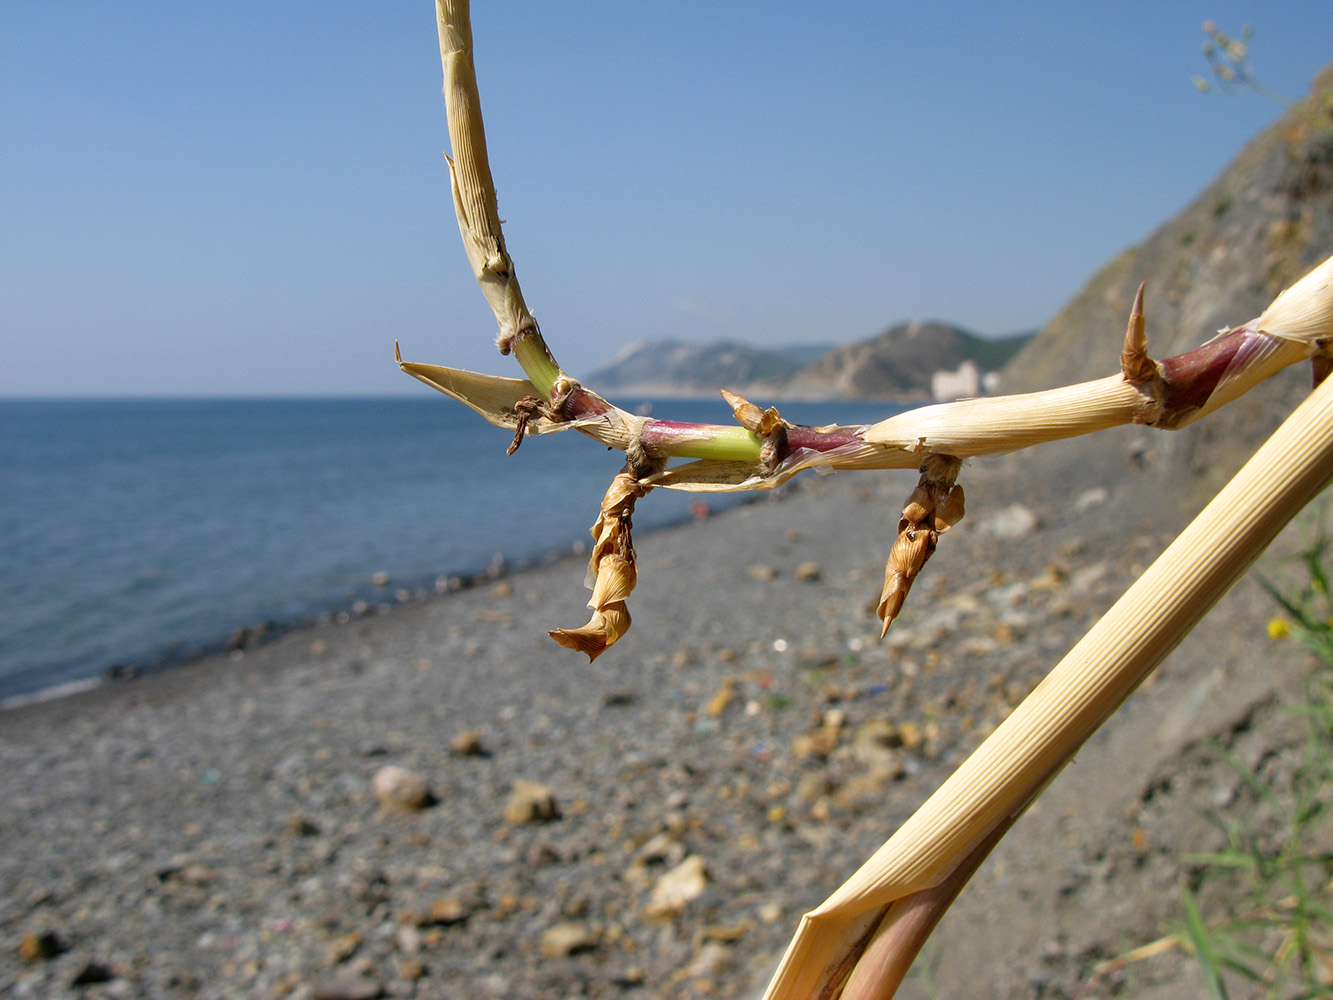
1201 942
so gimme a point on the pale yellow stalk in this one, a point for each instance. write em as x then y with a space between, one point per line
470 174
1304 311
998 781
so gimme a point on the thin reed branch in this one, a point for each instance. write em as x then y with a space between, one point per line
1166 394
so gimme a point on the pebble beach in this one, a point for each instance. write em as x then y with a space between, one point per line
436 801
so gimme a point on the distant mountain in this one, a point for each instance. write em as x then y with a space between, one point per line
807 354
674 368
902 362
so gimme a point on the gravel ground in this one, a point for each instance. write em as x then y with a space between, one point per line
652 824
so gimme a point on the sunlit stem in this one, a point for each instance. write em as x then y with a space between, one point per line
537 362
716 441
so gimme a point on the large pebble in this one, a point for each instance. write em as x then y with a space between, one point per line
878 744
448 910
347 987
808 572
1011 523
566 939
1088 499
678 888
468 744
399 790
35 947
530 802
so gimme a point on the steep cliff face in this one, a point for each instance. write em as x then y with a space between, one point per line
1265 221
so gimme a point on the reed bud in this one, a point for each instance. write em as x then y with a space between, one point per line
765 424
934 506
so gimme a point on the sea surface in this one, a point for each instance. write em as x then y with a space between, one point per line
135 534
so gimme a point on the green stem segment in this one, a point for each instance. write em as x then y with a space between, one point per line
736 444
682 440
537 361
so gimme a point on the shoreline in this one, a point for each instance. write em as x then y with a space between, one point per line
233 561
371 600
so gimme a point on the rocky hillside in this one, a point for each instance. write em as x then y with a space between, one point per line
900 362
1265 221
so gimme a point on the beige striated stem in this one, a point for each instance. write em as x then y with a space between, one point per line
988 425
985 426
997 782
1305 310
475 201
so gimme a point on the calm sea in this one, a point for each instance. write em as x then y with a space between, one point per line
135 534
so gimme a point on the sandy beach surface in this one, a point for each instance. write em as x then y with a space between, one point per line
652 824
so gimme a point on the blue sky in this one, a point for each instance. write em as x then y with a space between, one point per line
250 198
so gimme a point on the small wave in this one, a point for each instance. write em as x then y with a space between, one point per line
51 693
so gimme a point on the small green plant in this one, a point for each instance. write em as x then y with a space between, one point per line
1229 63
1231 73
1277 938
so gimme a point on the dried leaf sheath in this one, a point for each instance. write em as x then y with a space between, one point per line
612 573
906 924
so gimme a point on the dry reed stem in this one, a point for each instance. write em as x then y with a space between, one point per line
470 178
997 782
1200 381
1169 393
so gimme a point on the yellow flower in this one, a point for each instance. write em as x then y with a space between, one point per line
1278 628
